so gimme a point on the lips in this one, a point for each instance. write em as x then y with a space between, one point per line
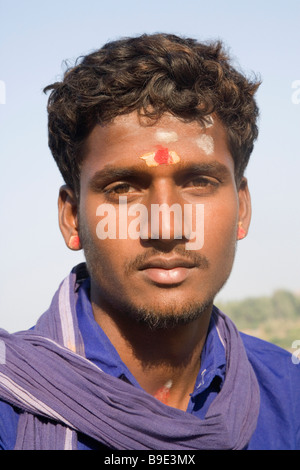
167 263
167 271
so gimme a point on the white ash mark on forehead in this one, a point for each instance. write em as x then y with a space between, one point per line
206 143
166 136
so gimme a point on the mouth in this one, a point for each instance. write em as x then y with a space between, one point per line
167 272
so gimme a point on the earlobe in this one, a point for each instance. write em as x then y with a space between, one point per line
74 243
68 219
241 233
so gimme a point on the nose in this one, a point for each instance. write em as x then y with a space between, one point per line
165 214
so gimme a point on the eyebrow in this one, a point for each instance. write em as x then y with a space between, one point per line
213 168
112 173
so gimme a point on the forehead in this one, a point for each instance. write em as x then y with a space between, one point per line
124 141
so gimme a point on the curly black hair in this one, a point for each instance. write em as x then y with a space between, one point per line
151 74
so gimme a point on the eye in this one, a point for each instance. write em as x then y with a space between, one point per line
120 188
202 182
113 191
201 185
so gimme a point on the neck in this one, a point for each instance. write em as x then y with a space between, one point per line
165 362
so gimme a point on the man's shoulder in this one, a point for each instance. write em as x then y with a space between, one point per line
263 350
278 376
270 360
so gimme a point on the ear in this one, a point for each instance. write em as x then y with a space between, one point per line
244 209
68 217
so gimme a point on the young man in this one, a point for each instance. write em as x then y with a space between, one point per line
152 136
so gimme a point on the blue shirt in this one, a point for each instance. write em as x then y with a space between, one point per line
278 426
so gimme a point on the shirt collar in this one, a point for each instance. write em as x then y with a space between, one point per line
213 360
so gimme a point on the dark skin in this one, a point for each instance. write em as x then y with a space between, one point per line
134 278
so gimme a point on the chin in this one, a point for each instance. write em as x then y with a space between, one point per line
167 316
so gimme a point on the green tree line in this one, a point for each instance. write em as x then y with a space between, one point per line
275 318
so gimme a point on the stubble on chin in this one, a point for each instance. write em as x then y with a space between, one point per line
158 318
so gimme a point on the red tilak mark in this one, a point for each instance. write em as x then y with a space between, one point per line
162 156
162 394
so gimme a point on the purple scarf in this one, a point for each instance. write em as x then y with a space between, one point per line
44 373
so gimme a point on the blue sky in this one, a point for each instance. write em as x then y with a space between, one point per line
35 39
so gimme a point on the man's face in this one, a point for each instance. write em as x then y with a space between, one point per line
155 277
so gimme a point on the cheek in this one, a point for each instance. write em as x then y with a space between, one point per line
105 257
220 230
87 223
